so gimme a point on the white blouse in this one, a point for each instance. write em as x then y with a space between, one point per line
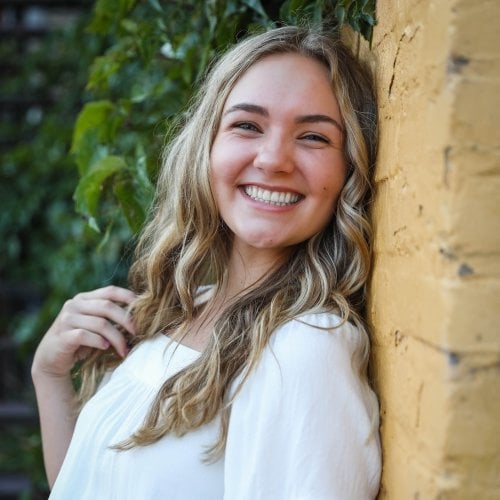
301 428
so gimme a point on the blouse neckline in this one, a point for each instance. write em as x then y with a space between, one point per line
178 344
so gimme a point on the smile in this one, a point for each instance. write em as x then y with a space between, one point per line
278 198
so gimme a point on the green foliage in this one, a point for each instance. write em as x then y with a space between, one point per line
48 253
157 53
44 244
22 451
359 14
129 72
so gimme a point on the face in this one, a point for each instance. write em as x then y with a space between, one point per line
277 162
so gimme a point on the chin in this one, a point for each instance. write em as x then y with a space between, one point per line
270 246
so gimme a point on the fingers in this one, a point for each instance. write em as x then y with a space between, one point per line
103 302
113 293
84 338
91 320
98 312
100 308
98 326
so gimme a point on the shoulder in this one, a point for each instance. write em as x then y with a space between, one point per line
309 354
305 401
314 341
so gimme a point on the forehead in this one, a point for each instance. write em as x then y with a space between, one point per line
286 79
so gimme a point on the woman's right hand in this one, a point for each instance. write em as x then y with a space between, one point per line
90 320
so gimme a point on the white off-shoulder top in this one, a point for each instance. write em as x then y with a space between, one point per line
303 427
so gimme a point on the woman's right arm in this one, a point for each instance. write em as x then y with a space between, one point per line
90 320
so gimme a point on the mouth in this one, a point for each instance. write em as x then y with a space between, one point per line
277 198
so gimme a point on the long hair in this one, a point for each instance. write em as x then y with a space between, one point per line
185 244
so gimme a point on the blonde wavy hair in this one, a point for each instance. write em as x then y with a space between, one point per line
186 244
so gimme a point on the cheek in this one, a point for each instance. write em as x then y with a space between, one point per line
332 183
217 166
218 178
222 181
329 193
219 161
227 166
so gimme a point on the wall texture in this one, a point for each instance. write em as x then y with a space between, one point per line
435 292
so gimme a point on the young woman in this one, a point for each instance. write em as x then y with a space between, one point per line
253 386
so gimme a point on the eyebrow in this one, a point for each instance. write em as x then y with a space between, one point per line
320 118
254 108
251 108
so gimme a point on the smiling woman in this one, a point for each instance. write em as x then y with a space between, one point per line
255 386
279 138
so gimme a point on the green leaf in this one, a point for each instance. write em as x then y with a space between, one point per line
131 205
92 222
256 6
129 26
95 129
107 14
89 151
141 174
94 116
91 185
106 236
317 13
104 11
340 14
156 6
101 71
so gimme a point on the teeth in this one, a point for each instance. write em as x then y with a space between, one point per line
271 197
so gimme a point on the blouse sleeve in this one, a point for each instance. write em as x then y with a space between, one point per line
304 426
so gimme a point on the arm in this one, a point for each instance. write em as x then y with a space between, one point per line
300 427
88 321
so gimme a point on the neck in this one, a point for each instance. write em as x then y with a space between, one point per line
245 269
248 266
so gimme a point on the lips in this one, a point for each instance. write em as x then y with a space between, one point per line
278 198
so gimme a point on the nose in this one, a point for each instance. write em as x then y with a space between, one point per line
274 156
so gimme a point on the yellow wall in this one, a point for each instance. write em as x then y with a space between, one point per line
435 291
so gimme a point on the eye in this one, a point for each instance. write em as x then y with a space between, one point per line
247 126
316 138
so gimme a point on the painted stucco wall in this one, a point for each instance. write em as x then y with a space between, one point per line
435 290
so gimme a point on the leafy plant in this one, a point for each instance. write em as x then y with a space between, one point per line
48 253
111 88
158 53
46 246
